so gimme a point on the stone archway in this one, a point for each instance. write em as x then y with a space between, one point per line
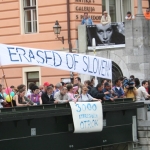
120 62
116 72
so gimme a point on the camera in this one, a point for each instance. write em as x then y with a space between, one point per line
128 83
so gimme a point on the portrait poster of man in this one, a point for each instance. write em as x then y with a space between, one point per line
106 35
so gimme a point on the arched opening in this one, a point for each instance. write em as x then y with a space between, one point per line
116 72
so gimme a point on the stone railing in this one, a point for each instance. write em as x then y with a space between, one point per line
143 123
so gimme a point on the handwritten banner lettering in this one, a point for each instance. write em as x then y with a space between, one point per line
87 116
84 64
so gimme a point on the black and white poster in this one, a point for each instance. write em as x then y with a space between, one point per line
109 35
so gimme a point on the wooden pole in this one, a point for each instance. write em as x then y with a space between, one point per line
6 85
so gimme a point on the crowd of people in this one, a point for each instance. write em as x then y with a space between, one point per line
77 92
108 32
106 19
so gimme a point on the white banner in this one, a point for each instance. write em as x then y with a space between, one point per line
87 116
84 64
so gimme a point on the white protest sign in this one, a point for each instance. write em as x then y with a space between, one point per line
84 64
87 116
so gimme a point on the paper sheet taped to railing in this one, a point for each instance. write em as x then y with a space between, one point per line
87 116
84 64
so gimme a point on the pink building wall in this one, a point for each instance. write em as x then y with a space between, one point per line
48 12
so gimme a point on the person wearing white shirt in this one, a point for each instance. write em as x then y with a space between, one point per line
129 16
85 97
141 91
105 19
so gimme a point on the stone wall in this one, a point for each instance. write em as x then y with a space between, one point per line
143 117
135 57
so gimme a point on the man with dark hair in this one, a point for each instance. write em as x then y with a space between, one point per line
97 92
86 20
129 16
107 88
77 82
132 77
147 14
47 97
118 89
141 91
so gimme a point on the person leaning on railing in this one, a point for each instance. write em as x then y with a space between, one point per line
105 19
20 100
111 95
129 16
35 97
118 89
97 92
47 97
71 92
85 97
62 96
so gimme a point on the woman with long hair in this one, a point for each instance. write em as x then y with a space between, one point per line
71 92
20 99
85 97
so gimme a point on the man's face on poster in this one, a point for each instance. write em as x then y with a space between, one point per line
104 33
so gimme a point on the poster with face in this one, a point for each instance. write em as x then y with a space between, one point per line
106 35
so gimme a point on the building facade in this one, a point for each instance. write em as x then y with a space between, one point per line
29 23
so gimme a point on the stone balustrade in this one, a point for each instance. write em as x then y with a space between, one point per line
143 123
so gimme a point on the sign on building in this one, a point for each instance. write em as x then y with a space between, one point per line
106 36
87 116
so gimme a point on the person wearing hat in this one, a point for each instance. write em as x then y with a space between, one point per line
105 19
45 85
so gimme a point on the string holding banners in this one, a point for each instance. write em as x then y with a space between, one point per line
87 117
74 62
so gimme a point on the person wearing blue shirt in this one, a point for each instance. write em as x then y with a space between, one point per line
109 95
118 89
86 20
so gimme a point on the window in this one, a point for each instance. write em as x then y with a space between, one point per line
33 77
118 9
30 16
112 10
